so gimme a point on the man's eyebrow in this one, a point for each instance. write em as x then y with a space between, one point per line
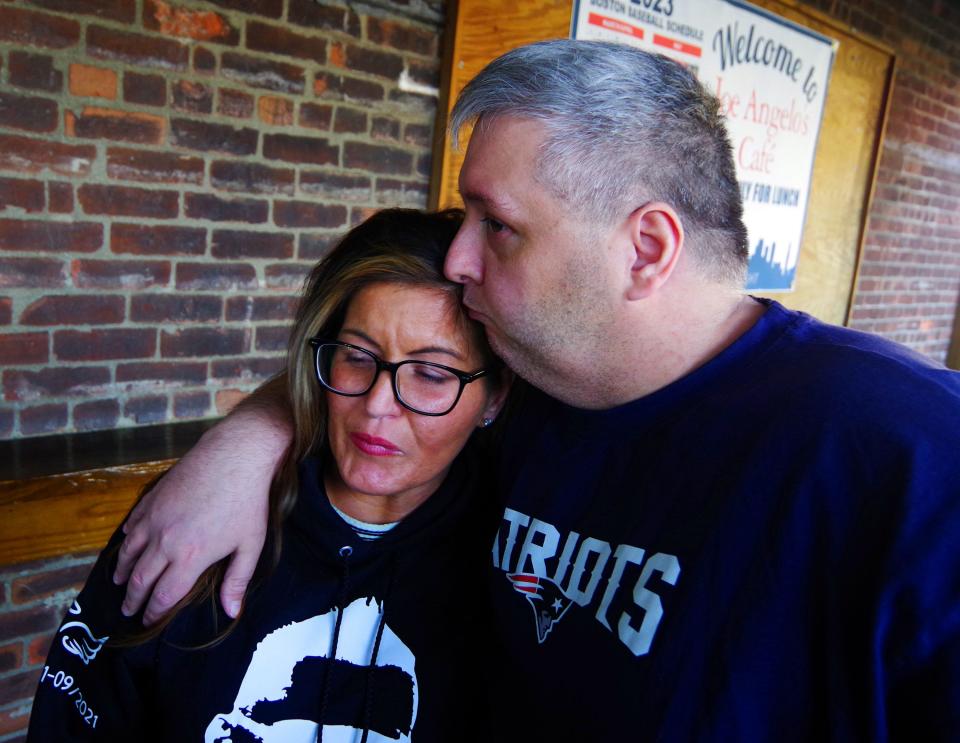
484 198
417 352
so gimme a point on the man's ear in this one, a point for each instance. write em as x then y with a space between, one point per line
657 236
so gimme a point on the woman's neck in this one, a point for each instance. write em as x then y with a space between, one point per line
372 509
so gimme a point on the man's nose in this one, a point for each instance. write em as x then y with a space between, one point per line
463 263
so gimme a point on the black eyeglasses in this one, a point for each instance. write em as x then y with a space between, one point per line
421 386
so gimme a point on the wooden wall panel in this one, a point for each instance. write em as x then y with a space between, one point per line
62 514
846 157
482 31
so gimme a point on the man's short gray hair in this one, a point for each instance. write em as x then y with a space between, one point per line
624 127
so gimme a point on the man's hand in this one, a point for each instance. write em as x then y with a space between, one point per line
212 504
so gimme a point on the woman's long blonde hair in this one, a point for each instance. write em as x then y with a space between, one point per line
403 246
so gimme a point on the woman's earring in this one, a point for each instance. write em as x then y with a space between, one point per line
486 423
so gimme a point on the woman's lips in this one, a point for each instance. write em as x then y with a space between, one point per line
374 445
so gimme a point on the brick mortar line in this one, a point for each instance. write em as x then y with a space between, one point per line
903 264
935 234
939 243
182 219
382 9
910 212
340 138
930 310
950 289
168 112
293 130
215 80
239 19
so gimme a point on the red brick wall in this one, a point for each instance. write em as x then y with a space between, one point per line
168 173
33 599
910 272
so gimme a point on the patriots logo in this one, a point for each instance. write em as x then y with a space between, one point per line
548 600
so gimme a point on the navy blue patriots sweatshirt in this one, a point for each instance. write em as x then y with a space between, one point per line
767 549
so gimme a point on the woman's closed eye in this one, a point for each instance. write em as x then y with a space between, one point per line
431 375
357 358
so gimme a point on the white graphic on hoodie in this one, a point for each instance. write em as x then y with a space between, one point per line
79 639
269 676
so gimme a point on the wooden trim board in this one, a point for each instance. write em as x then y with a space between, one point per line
44 517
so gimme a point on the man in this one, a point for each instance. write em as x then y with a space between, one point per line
723 520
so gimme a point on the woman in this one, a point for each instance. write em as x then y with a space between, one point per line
366 622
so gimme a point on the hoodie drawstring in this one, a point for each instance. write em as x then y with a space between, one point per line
368 706
345 553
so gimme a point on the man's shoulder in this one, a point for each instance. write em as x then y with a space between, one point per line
843 386
807 332
833 358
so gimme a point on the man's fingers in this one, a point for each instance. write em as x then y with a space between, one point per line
130 550
172 586
144 575
236 578
138 512
209 504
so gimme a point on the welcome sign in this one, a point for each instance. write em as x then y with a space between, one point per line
771 77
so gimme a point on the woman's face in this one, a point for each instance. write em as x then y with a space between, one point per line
390 459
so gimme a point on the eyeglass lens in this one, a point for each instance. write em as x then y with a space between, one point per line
352 371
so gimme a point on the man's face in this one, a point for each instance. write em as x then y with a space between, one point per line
540 277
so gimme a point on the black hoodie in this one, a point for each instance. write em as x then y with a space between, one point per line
404 617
